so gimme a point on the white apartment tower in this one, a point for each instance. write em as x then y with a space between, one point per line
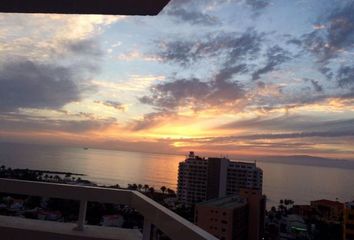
201 179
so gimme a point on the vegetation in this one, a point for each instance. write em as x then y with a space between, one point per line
317 227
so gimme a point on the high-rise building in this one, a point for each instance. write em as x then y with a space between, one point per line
348 223
236 217
201 179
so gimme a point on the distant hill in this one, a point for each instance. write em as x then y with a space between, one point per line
308 160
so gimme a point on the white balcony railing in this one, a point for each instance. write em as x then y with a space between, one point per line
174 226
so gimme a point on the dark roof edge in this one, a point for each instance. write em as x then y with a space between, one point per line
104 7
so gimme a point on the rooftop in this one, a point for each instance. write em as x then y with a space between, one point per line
192 156
328 203
231 202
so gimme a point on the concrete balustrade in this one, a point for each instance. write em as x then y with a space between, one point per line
174 226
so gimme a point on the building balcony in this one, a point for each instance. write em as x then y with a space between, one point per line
155 215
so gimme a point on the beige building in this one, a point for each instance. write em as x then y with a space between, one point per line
226 218
237 217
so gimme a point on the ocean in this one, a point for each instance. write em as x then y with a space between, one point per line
301 183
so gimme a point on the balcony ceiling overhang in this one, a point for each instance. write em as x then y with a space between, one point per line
109 7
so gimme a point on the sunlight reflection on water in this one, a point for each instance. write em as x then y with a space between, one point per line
297 182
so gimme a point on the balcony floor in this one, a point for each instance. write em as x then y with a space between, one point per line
20 228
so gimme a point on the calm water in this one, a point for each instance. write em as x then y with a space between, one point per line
297 182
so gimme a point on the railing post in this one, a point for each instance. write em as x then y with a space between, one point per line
82 216
147 229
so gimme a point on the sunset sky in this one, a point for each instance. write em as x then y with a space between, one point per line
225 77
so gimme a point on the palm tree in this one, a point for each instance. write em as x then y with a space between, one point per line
151 190
57 178
281 206
146 187
140 187
163 189
132 186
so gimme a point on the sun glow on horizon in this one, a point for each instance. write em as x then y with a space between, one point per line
170 83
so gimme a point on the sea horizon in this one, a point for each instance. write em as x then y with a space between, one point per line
292 159
302 183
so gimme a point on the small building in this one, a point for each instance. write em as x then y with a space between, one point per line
328 211
170 202
304 211
49 215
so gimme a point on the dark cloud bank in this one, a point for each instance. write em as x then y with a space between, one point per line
27 84
221 89
337 35
194 93
24 123
236 47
